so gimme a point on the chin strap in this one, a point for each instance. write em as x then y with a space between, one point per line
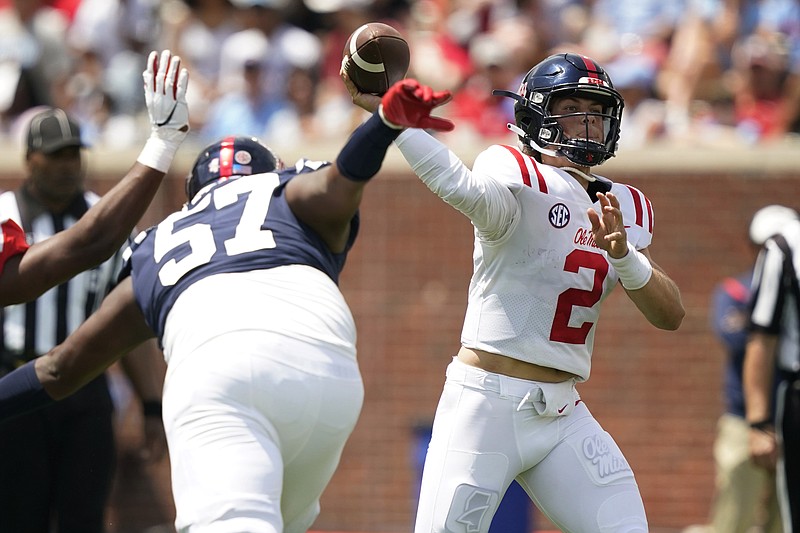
578 172
533 145
551 153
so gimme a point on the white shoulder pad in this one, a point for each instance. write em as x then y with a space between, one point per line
505 164
637 214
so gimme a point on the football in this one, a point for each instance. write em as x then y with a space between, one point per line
376 56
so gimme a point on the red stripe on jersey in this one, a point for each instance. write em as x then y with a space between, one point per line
591 66
526 176
542 183
226 157
649 214
637 202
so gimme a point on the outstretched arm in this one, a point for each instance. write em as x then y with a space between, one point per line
106 226
646 284
108 334
489 204
327 201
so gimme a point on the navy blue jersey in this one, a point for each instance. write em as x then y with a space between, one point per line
235 225
729 320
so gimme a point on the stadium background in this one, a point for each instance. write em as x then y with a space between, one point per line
658 393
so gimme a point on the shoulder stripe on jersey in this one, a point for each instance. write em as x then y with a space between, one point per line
526 176
637 203
649 214
542 183
226 158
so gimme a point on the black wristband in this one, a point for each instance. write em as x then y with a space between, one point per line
22 392
151 408
363 154
762 424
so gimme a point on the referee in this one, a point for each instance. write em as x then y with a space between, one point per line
56 465
774 337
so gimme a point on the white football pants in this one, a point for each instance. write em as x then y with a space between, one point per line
491 429
253 442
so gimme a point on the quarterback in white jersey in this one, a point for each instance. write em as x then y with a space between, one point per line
551 241
538 272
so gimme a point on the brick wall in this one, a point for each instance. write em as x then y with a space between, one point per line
657 392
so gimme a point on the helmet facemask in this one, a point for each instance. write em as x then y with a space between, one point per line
560 76
581 150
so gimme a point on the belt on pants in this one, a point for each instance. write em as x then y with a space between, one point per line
478 378
548 399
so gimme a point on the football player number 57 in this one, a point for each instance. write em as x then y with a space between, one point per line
248 236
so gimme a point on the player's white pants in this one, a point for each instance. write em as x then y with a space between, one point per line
248 462
259 399
488 431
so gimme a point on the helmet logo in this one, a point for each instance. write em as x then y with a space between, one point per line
545 134
593 81
213 166
559 216
243 157
537 98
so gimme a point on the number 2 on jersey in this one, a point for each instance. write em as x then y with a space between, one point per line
248 236
561 331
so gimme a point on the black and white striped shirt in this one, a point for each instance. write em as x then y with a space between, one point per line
33 328
775 296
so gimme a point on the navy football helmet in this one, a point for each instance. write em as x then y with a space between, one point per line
232 156
558 76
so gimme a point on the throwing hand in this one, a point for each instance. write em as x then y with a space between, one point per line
408 104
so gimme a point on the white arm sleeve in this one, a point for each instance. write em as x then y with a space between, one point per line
490 205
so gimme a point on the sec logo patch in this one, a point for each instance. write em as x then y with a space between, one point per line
559 216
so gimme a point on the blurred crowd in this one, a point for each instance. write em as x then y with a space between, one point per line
691 71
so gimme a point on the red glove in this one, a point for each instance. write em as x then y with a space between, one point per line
407 104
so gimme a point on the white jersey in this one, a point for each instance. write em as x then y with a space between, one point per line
538 276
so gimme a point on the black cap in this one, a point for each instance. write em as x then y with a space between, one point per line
53 130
